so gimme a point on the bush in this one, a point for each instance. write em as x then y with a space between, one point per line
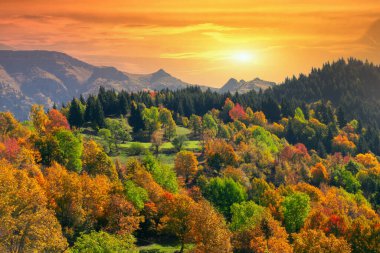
136 149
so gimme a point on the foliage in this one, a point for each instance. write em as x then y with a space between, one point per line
186 165
98 242
295 209
163 175
223 193
245 215
70 149
137 195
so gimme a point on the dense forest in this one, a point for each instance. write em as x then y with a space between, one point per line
189 171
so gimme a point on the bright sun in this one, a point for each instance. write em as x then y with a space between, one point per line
243 57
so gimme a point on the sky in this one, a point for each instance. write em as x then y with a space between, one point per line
199 41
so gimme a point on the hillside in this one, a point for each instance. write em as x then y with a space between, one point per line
352 85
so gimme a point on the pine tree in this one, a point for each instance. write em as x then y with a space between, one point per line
341 117
75 114
135 120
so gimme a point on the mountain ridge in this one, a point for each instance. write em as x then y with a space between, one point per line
48 77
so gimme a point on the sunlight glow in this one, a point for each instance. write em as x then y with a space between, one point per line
243 57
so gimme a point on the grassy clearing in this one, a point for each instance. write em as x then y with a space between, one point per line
157 248
168 152
182 131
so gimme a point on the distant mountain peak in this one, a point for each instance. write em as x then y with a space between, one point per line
242 86
161 73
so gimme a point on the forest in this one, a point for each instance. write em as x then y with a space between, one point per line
189 171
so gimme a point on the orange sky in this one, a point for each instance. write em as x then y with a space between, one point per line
203 42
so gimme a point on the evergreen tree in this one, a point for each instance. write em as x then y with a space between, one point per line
75 114
341 117
135 120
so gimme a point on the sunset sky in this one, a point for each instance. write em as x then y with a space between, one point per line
202 41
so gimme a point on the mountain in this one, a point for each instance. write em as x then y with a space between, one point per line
242 86
47 77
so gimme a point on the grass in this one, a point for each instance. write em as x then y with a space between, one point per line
157 248
168 153
182 131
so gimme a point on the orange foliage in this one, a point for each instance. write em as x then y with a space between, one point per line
57 120
368 160
343 144
319 174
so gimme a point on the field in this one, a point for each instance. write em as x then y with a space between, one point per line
157 248
167 151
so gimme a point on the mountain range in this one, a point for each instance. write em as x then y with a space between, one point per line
48 77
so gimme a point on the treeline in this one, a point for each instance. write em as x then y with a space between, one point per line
350 84
91 112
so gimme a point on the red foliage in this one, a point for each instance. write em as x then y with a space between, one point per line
57 120
11 149
237 113
336 225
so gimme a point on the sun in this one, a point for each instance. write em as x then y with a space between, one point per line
242 57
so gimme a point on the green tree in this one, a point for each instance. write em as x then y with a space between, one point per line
151 119
102 242
70 148
75 117
163 175
179 141
135 119
94 113
245 215
136 194
295 209
119 129
223 193
168 123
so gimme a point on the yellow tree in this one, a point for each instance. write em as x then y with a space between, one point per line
26 225
39 118
315 241
186 165
209 229
97 162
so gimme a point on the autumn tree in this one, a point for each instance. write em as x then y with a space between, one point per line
237 113
39 118
209 229
57 120
315 241
266 236
319 174
176 220
157 141
26 224
186 165
341 143
96 162
220 154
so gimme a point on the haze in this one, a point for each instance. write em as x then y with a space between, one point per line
201 42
